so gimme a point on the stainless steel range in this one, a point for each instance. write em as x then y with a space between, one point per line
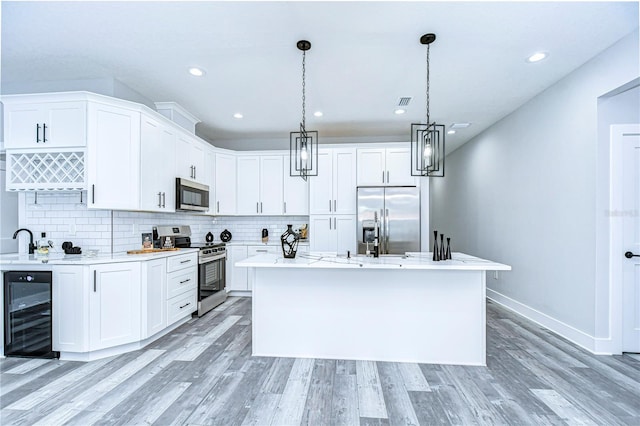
211 265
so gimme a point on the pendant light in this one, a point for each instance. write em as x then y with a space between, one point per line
303 144
427 139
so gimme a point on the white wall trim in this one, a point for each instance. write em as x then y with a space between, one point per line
580 338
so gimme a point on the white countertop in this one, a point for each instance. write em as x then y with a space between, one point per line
460 261
85 259
272 242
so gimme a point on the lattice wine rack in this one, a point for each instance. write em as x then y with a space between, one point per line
46 170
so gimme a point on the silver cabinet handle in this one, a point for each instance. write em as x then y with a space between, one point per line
93 194
387 176
37 133
94 279
260 206
335 224
261 251
184 306
186 261
335 209
185 281
257 208
163 199
285 206
329 224
329 205
217 206
159 199
195 172
44 132
383 176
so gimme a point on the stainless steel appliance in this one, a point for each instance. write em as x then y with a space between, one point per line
392 212
191 196
212 259
27 314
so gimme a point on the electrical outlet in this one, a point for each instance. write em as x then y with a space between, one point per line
495 275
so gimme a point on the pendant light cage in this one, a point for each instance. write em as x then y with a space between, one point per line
427 139
303 144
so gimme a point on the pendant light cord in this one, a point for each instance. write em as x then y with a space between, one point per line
428 116
304 55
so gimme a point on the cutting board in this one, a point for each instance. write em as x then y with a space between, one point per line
155 250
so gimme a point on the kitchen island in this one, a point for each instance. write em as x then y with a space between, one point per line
392 308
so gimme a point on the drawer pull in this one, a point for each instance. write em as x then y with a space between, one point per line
261 251
186 261
183 306
185 281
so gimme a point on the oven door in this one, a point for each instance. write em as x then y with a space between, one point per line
211 276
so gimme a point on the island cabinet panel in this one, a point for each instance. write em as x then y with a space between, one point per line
70 310
114 304
225 191
157 178
45 125
154 315
113 149
236 276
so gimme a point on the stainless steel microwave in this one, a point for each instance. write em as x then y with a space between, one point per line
191 196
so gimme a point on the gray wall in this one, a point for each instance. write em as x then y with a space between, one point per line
524 192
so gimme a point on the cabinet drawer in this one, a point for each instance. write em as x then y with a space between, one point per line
256 250
175 263
180 282
181 306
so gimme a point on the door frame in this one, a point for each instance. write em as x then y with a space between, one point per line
616 228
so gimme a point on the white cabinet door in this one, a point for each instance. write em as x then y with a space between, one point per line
225 177
295 194
271 185
248 184
114 304
344 181
371 167
321 234
70 309
398 167
46 125
157 180
236 276
154 296
189 156
113 151
321 186
345 229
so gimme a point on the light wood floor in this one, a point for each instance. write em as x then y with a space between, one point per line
203 373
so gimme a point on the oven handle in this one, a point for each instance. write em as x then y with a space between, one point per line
212 259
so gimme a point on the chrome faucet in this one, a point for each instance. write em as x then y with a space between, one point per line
32 247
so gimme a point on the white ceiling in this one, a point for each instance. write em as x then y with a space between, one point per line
364 56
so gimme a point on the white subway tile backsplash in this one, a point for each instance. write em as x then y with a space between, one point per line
57 213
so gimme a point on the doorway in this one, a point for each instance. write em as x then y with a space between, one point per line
625 230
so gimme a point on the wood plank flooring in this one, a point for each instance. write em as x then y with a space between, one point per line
203 374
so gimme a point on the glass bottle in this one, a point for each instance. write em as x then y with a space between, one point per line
42 247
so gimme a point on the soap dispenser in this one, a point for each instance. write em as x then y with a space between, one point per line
43 246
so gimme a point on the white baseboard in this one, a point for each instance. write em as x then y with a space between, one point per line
594 345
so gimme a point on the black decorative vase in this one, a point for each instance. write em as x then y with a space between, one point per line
289 242
443 255
448 252
436 252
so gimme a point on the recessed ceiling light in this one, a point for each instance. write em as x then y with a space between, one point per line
196 72
318 114
237 115
399 111
451 132
460 125
537 57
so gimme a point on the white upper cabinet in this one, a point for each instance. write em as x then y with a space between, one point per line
189 156
296 193
209 177
44 125
113 151
157 178
333 233
384 167
260 184
333 191
225 179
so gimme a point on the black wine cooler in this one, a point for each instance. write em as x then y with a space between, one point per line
27 314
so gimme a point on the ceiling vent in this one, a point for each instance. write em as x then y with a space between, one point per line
404 101
460 125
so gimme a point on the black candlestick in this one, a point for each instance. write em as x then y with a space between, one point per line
442 254
448 252
436 253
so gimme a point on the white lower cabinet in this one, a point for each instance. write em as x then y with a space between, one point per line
114 304
154 288
70 311
236 276
333 233
182 287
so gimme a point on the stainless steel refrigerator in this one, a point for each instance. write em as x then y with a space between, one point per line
392 212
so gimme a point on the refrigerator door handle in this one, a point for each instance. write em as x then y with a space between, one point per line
386 231
382 232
